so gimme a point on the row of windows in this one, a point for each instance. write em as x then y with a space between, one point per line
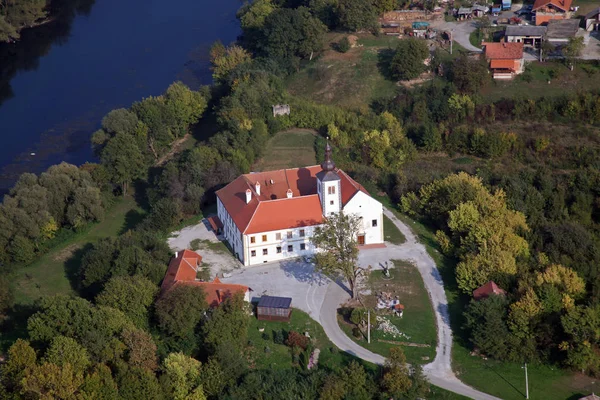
290 249
290 235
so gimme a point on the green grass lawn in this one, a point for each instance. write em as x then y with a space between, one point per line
391 233
289 149
353 79
502 379
279 355
49 275
418 321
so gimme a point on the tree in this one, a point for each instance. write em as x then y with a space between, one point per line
141 350
486 321
355 381
573 50
337 239
133 295
396 380
356 15
138 383
182 377
180 309
123 160
223 64
290 33
21 360
226 325
6 296
50 381
64 350
99 385
469 75
408 61
184 105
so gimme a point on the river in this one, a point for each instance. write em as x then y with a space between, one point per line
58 82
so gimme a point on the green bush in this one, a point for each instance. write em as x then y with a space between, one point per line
343 45
356 332
195 244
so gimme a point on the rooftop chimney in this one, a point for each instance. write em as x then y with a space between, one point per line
248 196
289 193
257 186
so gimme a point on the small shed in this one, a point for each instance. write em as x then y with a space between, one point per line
592 20
488 290
272 308
506 4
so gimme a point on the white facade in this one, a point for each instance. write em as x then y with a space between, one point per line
272 246
370 211
230 231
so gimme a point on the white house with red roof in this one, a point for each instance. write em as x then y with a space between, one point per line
270 216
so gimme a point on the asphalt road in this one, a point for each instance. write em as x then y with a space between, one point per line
320 298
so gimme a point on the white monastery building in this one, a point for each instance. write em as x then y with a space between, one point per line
271 216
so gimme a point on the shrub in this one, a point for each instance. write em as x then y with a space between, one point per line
265 336
296 339
357 316
356 332
343 45
278 337
195 244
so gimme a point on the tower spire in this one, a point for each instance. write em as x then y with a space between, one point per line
328 164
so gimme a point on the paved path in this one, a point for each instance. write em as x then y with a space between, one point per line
320 298
460 32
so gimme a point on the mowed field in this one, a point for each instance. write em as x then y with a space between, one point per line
289 149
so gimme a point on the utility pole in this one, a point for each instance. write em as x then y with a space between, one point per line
526 383
368 326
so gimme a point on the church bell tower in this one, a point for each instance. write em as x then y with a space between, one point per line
329 185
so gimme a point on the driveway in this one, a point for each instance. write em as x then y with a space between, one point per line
592 46
320 298
460 32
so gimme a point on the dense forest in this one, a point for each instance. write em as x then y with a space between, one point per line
523 212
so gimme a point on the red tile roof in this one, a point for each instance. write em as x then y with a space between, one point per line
503 51
503 64
487 290
183 267
276 210
564 5
182 271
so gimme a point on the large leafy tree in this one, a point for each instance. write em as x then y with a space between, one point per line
337 240
408 61
290 33
356 15
182 377
396 378
226 325
123 160
133 295
180 309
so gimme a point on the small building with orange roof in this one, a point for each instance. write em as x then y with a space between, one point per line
183 269
505 58
547 10
270 216
488 290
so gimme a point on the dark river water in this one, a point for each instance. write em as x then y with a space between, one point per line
58 82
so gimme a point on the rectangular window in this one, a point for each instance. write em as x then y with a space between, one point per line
252 239
265 252
278 236
290 248
302 246
264 238
374 223
331 190
301 232
290 234
278 249
252 253
331 202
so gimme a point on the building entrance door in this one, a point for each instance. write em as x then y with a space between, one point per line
361 239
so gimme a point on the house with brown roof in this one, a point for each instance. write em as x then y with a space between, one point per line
547 10
271 216
183 269
505 58
488 290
